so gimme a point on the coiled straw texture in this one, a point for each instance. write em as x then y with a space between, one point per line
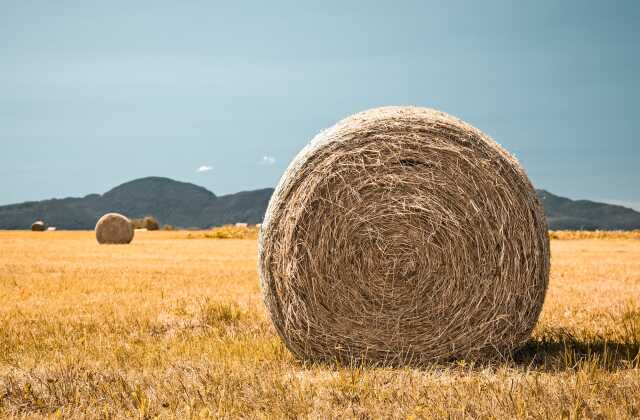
402 236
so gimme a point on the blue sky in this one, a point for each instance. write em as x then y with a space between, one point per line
93 94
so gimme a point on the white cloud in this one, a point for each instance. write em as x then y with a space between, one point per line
204 168
267 160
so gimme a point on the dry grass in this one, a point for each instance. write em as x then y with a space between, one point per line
596 234
228 232
176 328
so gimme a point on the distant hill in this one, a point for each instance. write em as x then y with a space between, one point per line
188 205
171 202
566 214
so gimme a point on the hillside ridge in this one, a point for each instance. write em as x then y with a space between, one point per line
184 204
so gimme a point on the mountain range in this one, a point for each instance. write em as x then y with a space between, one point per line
183 204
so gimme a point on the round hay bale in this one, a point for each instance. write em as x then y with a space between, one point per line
38 226
114 228
151 223
403 235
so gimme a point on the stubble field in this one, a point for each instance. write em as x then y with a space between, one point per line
172 326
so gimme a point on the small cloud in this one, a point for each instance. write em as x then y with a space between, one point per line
204 168
267 160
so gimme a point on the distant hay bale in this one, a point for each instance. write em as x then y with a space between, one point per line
151 223
241 225
114 228
403 235
38 226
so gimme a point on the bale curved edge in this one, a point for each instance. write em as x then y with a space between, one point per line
114 228
403 235
38 226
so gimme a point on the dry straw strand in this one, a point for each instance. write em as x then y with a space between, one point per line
403 235
114 228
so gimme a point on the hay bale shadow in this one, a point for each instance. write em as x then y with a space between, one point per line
566 352
560 351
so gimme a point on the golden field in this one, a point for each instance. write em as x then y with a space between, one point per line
173 326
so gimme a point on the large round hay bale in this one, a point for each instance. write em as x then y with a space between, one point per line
38 226
403 235
114 228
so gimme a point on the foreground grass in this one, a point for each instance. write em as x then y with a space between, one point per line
171 328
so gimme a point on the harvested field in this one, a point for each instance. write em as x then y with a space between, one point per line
595 234
176 328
